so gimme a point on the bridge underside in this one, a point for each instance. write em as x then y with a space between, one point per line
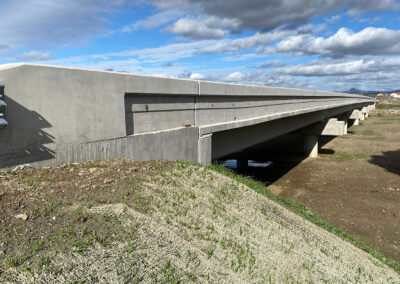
255 134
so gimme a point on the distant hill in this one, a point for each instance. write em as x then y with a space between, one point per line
358 91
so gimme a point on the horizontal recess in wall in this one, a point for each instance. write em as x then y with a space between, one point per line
153 112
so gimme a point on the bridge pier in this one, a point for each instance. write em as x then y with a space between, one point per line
356 122
311 146
356 116
205 149
365 111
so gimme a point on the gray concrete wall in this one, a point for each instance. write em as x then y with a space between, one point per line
59 114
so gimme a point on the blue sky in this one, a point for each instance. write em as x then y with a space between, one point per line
312 44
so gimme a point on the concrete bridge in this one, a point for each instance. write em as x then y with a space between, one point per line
54 115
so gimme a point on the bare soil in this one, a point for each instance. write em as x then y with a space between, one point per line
355 181
122 221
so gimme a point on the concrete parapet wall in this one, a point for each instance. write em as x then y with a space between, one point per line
59 114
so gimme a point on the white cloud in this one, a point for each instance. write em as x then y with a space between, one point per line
231 45
196 76
334 19
164 53
369 41
195 29
235 77
36 55
267 15
324 68
154 21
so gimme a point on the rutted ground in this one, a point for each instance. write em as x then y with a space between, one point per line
122 221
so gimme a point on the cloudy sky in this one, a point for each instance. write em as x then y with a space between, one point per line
312 44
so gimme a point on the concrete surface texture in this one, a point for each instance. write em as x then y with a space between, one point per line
57 115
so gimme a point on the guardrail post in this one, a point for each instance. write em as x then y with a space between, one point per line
3 105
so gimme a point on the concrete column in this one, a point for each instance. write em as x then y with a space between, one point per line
356 116
346 124
311 145
204 150
242 164
364 111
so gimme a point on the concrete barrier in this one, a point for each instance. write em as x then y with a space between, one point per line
57 115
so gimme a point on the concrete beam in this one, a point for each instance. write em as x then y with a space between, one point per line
331 127
356 114
334 127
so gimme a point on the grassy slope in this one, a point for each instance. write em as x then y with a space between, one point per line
304 212
125 221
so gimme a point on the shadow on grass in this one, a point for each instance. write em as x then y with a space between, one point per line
389 160
326 151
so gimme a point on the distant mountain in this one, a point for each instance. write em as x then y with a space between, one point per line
358 91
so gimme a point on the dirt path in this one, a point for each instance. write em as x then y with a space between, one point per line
355 183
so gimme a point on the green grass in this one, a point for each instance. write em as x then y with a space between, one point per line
389 118
367 132
344 156
91 165
303 211
388 106
363 132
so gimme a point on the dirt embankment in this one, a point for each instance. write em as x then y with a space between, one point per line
122 221
355 182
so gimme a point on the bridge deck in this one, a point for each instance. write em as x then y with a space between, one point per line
58 114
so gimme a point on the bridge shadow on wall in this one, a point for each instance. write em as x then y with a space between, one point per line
389 160
24 140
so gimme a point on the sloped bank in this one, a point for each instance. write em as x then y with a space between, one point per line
127 221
